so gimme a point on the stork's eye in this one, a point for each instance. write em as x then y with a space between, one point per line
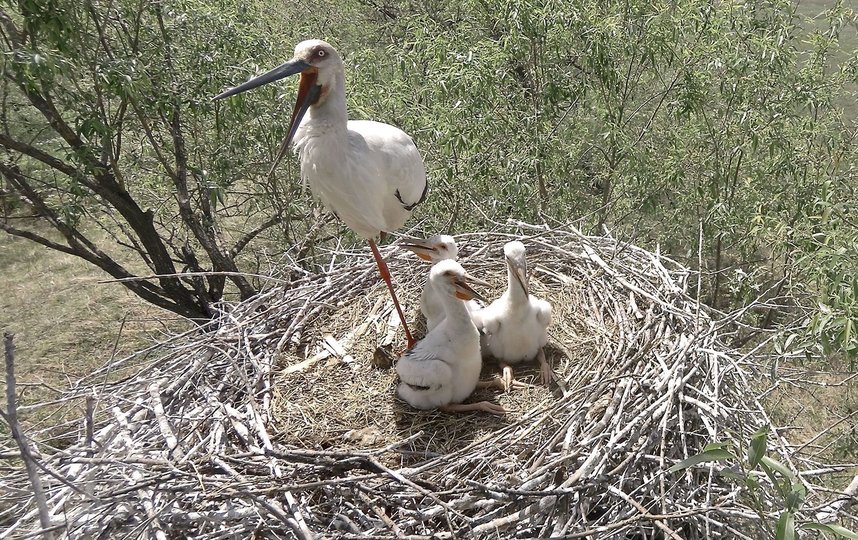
321 53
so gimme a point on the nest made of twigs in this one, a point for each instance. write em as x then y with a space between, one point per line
280 423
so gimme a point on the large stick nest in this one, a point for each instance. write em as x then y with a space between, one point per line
280 423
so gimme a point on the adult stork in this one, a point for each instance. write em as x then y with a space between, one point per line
369 174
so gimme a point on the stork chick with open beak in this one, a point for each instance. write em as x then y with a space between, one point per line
369 174
515 326
436 248
443 368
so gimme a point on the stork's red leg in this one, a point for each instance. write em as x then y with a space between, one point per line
385 275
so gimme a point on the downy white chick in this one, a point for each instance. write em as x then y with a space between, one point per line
436 248
443 368
514 326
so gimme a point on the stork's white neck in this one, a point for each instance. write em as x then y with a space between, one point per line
331 110
514 290
457 312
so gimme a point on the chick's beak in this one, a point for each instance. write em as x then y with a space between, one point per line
422 249
464 291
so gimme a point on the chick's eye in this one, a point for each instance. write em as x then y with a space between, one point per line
321 53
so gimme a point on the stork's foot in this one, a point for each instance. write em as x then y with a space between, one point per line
544 368
482 406
403 352
497 382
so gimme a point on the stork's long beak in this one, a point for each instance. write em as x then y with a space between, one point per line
464 290
308 94
280 72
519 272
421 248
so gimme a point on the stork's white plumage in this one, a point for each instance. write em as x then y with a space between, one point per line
436 248
368 173
515 326
443 368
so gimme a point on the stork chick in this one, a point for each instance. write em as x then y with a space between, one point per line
443 368
436 248
515 326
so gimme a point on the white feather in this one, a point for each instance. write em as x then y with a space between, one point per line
368 173
444 367
515 326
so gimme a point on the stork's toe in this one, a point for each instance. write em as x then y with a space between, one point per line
492 408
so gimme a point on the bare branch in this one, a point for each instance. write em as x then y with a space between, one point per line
205 234
247 238
11 417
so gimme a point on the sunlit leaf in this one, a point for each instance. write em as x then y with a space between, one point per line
786 527
757 446
717 446
776 465
830 528
715 454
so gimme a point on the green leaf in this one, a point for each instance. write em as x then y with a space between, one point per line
795 498
732 475
786 527
717 446
770 466
830 528
752 483
788 342
776 465
714 454
757 448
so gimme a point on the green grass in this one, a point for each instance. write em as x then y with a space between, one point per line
64 320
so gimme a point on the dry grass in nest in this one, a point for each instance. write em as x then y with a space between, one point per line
276 423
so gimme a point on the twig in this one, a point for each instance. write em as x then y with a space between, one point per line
842 503
11 418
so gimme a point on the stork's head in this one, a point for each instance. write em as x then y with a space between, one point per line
320 64
321 68
516 261
450 278
436 248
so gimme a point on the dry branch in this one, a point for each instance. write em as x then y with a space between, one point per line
11 418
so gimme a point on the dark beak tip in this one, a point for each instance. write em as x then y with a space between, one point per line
223 95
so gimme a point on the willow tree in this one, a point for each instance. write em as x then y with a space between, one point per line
106 124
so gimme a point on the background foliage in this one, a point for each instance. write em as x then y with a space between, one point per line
723 133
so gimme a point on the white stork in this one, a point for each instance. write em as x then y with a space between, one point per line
515 326
368 173
443 368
